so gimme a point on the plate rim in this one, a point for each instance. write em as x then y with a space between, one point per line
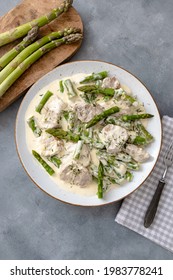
20 158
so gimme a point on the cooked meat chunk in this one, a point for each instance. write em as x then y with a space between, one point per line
75 174
113 137
111 82
137 153
51 113
49 145
86 112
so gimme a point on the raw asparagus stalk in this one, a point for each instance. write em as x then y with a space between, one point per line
43 101
4 86
36 130
62 134
94 77
70 88
23 29
136 117
92 89
100 180
61 86
102 116
9 56
32 48
55 160
43 163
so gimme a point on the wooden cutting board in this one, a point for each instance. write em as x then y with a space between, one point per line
24 12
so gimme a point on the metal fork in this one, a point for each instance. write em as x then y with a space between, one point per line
152 209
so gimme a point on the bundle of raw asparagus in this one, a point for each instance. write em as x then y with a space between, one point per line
15 62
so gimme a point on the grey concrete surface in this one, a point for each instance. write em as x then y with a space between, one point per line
137 35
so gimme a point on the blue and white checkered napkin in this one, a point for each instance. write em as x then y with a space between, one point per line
134 207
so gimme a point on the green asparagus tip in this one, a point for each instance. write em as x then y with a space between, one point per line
95 77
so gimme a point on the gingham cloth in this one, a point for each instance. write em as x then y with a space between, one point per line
134 207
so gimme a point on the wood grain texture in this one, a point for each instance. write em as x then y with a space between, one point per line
24 12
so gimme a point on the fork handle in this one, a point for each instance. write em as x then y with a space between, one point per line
151 211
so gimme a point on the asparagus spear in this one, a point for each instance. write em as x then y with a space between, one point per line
78 149
100 180
66 115
133 165
56 132
129 98
23 29
116 181
43 163
92 89
4 86
43 101
95 77
139 140
102 116
71 119
149 138
55 160
88 98
36 130
32 48
70 88
61 86
9 56
62 134
123 157
87 88
136 117
128 176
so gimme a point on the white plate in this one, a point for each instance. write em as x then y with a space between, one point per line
38 174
